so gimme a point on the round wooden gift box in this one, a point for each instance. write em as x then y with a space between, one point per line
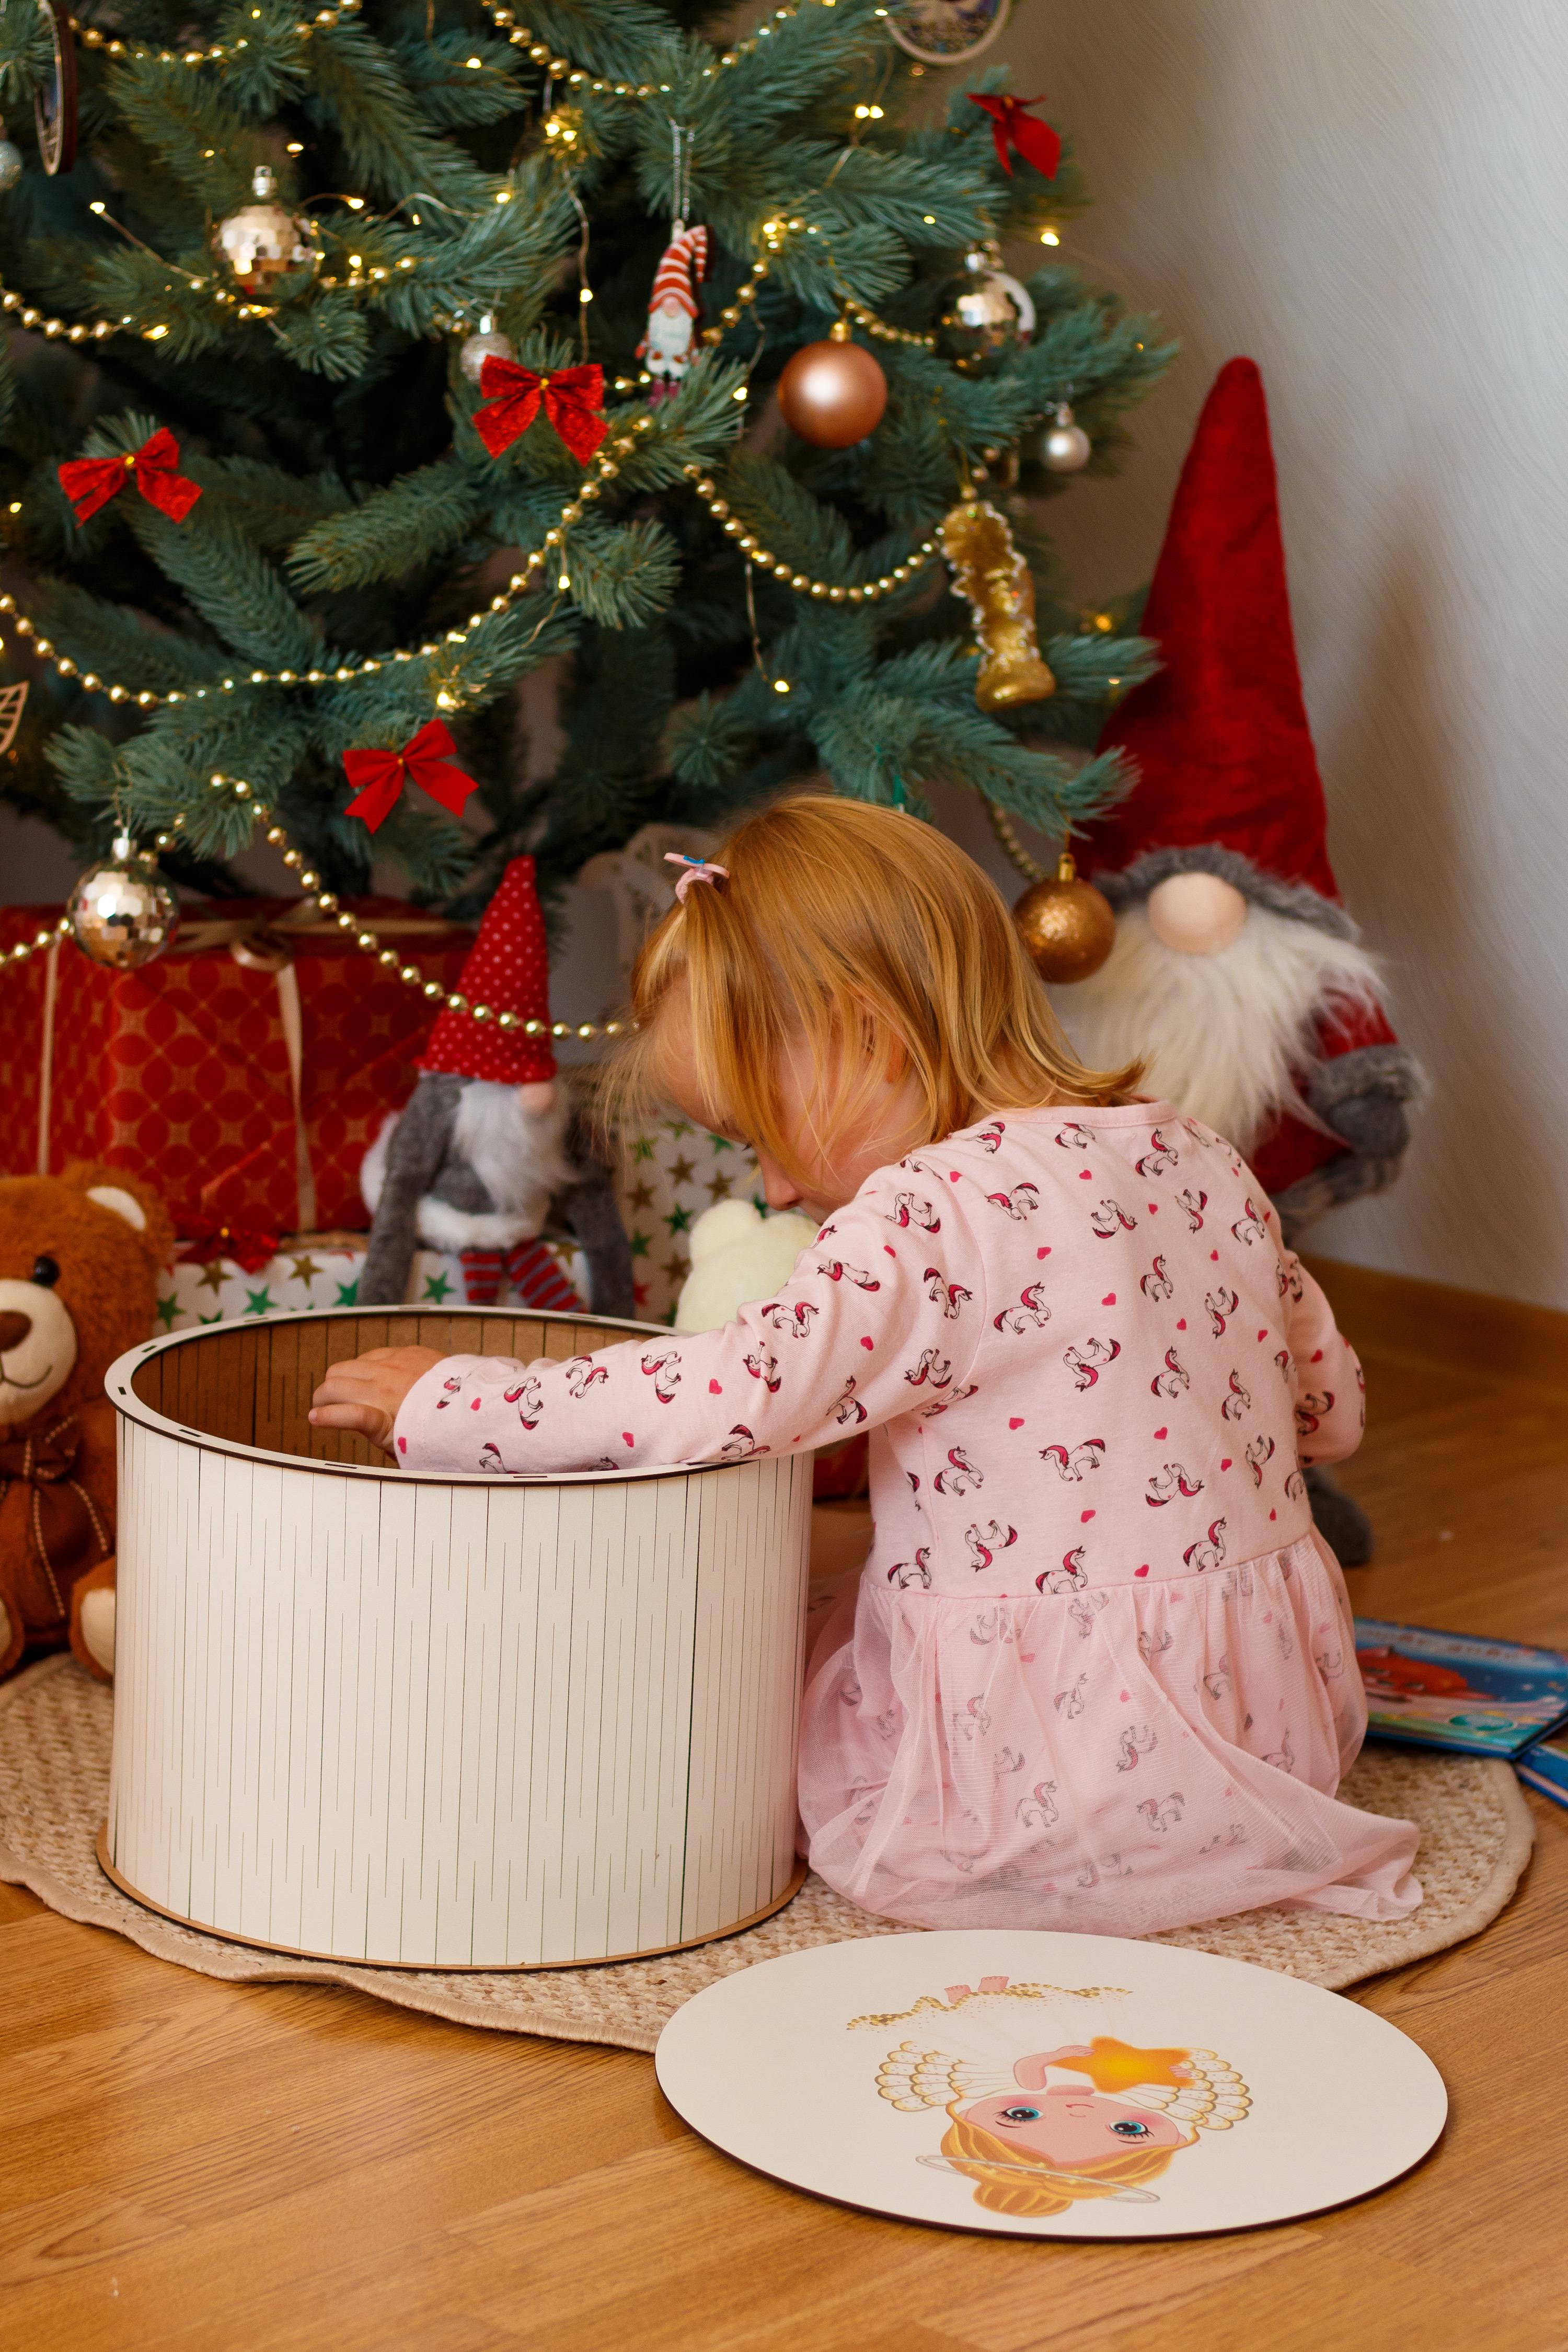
423 1721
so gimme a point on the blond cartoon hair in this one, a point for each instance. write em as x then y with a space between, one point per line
1003 2170
869 935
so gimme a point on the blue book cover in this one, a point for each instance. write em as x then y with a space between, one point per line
1432 1689
1544 1765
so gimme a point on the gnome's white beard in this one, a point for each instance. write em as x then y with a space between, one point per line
1225 1037
519 1156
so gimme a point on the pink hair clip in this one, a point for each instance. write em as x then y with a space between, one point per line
697 869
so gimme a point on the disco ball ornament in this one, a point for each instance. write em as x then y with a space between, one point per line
991 312
1064 447
10 162
272 253
1067 925
121 914
487 343
833 393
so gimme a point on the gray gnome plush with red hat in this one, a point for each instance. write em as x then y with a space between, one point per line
1236 975
488 1149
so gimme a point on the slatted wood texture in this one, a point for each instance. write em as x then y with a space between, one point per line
459 1722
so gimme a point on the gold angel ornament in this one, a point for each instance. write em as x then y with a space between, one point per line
988 570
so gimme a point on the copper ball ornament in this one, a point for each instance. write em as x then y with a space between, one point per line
121 914
833 393
1067 925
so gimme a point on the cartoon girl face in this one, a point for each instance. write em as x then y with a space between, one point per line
1071 2123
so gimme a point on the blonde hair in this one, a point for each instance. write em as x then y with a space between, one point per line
874 938
1000 2171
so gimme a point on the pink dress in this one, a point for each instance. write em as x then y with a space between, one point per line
1099 1673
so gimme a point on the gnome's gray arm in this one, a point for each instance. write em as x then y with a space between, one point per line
588 1211
1362 1096
414 1156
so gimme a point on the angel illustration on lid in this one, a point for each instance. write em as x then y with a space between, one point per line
1037 2132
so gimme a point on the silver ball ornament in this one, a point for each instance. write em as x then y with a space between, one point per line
10 164
1064 447
120 914
487 343
272 253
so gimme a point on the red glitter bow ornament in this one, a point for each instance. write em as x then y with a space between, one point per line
248 1246
513 394
425 759
1012 126
90 482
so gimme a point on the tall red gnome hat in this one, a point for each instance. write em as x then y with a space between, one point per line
507 968
1229 785
1228 779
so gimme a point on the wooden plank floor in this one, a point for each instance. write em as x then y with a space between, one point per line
288 2169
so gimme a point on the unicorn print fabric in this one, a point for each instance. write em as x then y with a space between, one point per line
1099 1672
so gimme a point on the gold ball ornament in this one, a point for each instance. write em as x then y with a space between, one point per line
833 393
121 915
1067 925
272 253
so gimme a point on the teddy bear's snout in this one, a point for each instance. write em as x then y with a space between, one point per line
14 1329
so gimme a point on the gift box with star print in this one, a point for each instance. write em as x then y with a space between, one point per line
671 1172
245 1073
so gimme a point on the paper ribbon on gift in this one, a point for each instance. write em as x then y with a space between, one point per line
90 482
63 1520
247 1247
513 396
1012 126
425 759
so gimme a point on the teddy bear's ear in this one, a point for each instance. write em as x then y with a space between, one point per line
126 1196
114 1196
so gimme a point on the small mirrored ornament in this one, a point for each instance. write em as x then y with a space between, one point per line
991 310
946 32
1064 446
273 252
54 101
121 914
10 162
486 342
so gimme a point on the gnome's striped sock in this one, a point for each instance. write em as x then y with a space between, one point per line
535 1274
481 1276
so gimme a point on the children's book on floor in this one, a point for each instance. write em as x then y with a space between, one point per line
1544 1765
1434 1689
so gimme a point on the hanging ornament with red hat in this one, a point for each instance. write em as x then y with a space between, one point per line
484 1146
674 309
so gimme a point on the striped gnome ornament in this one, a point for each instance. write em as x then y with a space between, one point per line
674 310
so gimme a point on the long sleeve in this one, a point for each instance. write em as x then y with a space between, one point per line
881 1317
1326 1383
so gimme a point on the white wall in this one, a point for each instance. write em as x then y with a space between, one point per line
1371 197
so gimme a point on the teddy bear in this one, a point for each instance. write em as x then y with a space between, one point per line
79 1255
738 1254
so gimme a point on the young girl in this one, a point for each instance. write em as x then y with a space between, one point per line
1099 1673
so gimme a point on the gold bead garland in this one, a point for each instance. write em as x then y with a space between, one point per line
368 940
91 38
832 593
606 466
599 85
1003 827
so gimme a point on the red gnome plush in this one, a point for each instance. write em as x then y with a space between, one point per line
1236 975
486 1149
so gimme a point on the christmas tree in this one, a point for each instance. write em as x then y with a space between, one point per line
339 408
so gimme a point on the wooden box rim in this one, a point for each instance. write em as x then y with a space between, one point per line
120 1389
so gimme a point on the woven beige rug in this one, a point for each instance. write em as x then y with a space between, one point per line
55 1724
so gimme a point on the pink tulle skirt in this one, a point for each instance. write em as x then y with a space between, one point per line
1135 1757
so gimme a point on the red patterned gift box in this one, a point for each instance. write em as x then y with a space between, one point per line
244 1073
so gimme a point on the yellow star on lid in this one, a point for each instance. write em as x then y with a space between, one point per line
1113 2066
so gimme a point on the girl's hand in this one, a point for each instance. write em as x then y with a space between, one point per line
365 1393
